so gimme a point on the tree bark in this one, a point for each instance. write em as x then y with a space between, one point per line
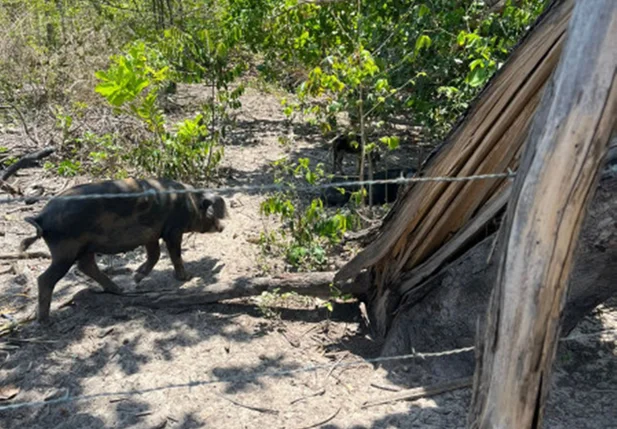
443 312
563 155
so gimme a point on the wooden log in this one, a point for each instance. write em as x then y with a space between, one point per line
558 174
421 392
310 284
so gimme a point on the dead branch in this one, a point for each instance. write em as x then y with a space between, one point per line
9 189
383 387
28 160
19 209
11 326
422 392
312 395
27 130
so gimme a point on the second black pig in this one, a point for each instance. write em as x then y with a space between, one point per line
349 144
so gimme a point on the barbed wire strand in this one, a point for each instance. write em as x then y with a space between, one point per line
244 378
261 188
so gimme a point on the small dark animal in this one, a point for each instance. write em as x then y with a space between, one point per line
75 230
381 193
348 144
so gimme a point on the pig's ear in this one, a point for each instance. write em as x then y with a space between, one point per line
220 208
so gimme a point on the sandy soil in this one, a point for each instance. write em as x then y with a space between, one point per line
97 344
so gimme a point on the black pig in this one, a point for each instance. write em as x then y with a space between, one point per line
348 144
382 193
75 230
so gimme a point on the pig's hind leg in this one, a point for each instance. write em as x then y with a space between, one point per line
153 251
46 283
87 265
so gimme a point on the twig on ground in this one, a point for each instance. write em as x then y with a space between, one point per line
10 327
388 388
20 209
31 340
339 360
304 398
290 339
248 407
9 189
23 122
25 255
323 422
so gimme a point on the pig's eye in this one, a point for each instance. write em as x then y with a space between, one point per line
205 204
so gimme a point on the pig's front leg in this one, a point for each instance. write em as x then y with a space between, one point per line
153 251
174 246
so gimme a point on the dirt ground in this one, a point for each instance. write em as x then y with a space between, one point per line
244 360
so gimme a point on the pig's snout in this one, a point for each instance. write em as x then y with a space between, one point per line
218 225
212 224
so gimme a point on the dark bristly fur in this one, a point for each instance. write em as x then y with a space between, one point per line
75 230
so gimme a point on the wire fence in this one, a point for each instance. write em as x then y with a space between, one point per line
261 188
67 398
267 373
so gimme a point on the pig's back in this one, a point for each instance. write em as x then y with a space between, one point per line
115 218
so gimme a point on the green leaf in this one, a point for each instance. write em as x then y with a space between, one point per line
477 77
423 11
423 41
392 142
381 84
476 63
